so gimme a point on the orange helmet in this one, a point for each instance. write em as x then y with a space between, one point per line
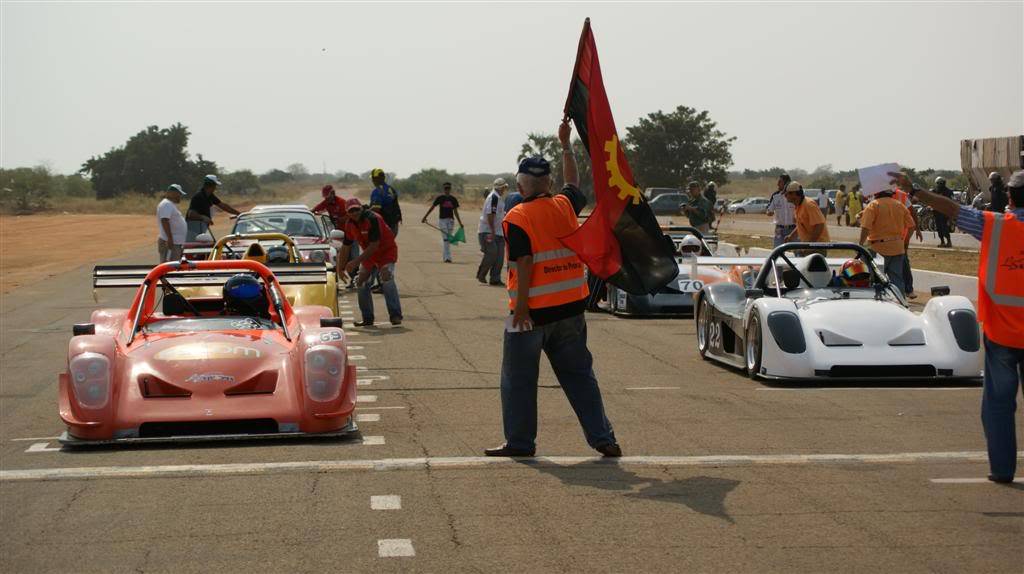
855 273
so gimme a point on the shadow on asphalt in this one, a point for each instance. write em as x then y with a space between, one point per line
703 494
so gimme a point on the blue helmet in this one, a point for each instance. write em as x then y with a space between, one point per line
243 291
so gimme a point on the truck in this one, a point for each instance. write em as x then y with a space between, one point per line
980 157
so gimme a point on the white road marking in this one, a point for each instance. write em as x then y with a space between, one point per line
357 357
363 383
395 548
386 502
355 348
41 447
38 438
808 389
652 388
369 342
373 377
970 481
361 368
368 417
462 462
379 408
373 440
366 398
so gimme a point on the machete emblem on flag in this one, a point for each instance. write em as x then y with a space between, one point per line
615 179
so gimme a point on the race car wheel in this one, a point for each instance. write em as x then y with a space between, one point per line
752 348
703 327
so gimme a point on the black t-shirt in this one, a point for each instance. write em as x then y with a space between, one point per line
448 205
202 202
518 243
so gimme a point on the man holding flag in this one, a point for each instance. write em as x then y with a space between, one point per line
547 298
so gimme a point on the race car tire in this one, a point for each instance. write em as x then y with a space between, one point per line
703 327
752 346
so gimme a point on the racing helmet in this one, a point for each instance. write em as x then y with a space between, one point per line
940 181
277 254
855 273
243 293
690 245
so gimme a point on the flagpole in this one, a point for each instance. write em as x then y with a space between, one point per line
575 69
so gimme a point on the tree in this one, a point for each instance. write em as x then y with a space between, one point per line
297 170
548 146
241 181
427 182
275 176
670 149
148 162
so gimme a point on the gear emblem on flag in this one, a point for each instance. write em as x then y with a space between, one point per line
615 179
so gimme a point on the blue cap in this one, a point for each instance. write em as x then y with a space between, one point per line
211 179
176 187
536 166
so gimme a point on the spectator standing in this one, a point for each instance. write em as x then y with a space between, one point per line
547 299
855 205
903 196
823 202
882 228
171 225
200 215
841 206
810 222
492 235
379 255
711 193
384 200
781 211
941 221
447 214
1000 311
698 209
513 199
997 193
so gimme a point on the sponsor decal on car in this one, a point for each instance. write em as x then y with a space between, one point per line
209 378
202 351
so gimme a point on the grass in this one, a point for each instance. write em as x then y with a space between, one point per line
956 261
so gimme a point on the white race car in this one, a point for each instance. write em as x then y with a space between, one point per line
801 321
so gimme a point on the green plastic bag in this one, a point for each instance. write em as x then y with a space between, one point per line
458 237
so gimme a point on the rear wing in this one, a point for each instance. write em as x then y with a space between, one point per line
758 261
130 276
203 252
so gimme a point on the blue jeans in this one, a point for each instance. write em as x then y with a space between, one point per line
565 344
894 267
1004 370
781 232
908 276
390 290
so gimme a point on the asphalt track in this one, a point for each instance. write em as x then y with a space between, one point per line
721 473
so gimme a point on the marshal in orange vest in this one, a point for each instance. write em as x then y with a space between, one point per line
1001 279
557 276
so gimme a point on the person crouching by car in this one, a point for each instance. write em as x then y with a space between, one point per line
170 224
379 253
200 216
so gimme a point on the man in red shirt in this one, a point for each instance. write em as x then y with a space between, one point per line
332 205
379 253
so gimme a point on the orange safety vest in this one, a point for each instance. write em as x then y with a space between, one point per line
1001 279
557 276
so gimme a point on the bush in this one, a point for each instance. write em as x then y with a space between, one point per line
427 183
26 189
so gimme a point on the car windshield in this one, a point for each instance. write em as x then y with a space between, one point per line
291 223
198 324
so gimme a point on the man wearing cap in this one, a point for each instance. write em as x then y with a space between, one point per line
699 210
1000 310
384 200
171 226
199 216
492 236
332 205
781 211
547 300
810 222
882 229
379 254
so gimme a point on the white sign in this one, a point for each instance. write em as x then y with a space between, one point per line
876 178
690 285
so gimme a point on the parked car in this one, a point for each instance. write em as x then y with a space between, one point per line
668 203
749 205
652 192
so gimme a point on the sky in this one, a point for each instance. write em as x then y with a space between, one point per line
407 86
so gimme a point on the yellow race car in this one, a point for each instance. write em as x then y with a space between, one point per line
302 283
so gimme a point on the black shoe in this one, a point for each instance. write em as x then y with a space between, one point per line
505 450
610 450
396 320
1000 479
447 260
497 283
481 279
376 289
363 324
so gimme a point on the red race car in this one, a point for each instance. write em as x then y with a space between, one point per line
243 365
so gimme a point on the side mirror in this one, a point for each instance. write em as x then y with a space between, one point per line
204 238
754 293
337 235
331 322
940 291
83 329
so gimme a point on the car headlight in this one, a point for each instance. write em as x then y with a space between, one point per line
318 256
325 371
90 378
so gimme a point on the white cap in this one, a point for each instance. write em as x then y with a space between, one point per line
500 183
176 187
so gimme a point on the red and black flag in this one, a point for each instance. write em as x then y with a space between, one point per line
621 242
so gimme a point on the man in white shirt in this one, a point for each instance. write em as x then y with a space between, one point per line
171 224
491 235
823 203
781 211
